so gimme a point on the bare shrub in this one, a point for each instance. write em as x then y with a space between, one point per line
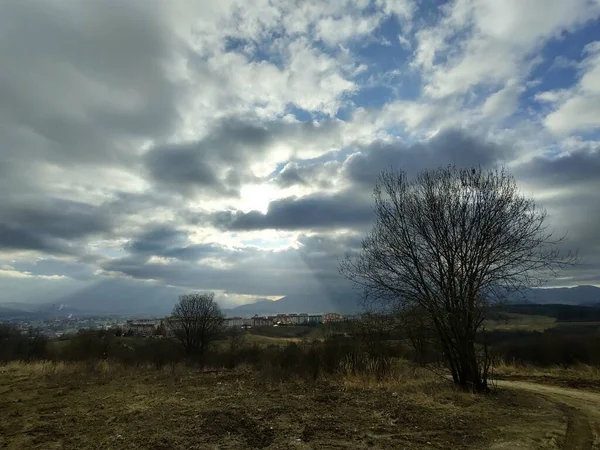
196 321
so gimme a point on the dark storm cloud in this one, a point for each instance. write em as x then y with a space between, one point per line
56 217
209 164
168 242
312 174
363 164
295 213
290 176
570 184
50 225
576 168
447 147
353 207
218 163
156 241
83 79
82 84
12 238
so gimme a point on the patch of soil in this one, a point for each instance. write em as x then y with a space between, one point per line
223 423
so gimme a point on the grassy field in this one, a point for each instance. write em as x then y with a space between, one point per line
521 322
103 406
527 322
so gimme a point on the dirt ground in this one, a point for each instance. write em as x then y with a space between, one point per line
581 407
46 407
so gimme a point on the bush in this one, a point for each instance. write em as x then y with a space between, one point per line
550 348
159 352
15 345
88 345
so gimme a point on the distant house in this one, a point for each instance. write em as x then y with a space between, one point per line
332 317
142 327
231 322
315 318
262 321
302 319
280 319
286 319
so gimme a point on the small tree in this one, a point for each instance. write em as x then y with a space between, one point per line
451 242
196 320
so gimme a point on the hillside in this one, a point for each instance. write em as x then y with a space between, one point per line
349 301
109 406
341 302
584 295
560 312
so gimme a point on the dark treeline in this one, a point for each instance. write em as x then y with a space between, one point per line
309 359
563 346
345 349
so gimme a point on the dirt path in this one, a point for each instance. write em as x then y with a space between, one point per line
582 409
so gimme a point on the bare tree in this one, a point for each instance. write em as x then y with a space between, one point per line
418 330
451 242
195 321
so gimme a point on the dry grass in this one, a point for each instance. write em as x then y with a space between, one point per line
86 406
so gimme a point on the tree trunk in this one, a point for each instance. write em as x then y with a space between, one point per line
472 376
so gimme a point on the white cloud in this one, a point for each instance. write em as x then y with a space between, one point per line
16 274
578 109
338 30
504 102
490 42
403 9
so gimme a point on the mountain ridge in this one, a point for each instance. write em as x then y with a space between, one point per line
152 302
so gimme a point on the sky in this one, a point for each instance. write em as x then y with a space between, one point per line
233 146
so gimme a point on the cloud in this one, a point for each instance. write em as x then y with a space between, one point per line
293 213
120 92
51 225
166 242
566 186
222 161
578 108
338 30
447 147
310 268
362 164
210 163
235 146
19 239
455 53
309 174
572 171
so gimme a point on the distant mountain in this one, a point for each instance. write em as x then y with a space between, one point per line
583 295
347 302
124 297
261 307
109 297
13 313
15 310
341 302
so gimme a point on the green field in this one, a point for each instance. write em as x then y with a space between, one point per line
521 322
